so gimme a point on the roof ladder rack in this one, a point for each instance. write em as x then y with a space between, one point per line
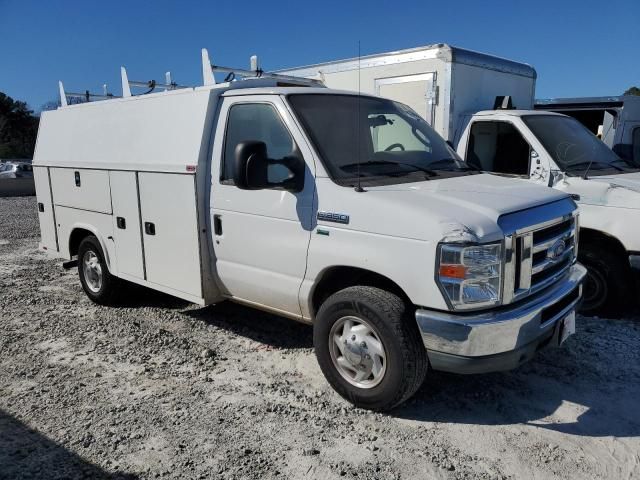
255 72
86 95
151 85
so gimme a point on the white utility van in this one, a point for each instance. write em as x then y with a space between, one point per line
483 105
292 198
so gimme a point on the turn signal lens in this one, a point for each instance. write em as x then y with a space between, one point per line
453 271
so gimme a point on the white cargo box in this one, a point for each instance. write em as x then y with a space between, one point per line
442 83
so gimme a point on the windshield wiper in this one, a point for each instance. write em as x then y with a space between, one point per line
576 166
419 168
465 167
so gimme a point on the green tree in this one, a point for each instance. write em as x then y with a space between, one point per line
633 91
18 128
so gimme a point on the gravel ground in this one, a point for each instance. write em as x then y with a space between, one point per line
159 388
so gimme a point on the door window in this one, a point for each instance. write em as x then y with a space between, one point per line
257 122
498 147
636 146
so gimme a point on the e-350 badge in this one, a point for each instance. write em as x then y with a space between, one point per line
333 217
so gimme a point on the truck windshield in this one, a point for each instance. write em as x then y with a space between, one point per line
574 148
379 141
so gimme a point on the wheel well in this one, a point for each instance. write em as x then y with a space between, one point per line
76 237
338 278
588 235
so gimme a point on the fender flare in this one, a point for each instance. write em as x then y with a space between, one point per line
94 231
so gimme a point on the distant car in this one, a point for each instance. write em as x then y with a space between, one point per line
16 170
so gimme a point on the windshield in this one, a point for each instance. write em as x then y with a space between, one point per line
375 140
574 148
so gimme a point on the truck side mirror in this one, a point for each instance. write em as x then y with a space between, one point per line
555 176
250 166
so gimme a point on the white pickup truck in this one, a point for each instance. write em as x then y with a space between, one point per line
297 200
469 98
556 150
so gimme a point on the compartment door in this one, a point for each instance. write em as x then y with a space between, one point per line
170 231
48 233
81 188
126 223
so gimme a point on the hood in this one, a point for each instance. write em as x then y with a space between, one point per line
619 190
464 208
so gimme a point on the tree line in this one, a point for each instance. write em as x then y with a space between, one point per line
18 128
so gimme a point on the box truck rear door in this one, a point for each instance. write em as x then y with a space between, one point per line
415 91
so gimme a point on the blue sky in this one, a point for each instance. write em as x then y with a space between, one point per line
578 47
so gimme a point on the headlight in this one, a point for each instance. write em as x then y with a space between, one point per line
470 276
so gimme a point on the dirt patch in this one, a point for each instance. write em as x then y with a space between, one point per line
159 388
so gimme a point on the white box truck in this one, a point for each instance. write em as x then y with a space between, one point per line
285 196
483 104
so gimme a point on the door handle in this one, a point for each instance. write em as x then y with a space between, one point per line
217 225
149 228
121 223
41 207
77 178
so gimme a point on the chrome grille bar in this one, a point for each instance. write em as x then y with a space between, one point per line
568 233
549 262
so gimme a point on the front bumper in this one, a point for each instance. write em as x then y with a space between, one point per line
501 339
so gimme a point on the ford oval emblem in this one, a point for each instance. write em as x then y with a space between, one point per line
556 250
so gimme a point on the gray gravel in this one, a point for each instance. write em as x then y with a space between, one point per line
159 388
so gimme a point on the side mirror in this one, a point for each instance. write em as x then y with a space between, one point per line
555 176
251 168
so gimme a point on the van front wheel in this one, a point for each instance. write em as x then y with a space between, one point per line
369 348
99 285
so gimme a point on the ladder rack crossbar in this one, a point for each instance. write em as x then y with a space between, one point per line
154 84
259 73
90 95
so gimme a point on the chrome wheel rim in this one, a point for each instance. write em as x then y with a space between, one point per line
92 270
595 290
357 352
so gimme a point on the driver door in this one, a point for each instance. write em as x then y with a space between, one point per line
260 237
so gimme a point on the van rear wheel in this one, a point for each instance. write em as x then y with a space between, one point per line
99 285
369 348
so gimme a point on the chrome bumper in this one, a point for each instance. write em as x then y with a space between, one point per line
515 333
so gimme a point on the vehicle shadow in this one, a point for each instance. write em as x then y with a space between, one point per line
272 330
580 389
136 296
25 453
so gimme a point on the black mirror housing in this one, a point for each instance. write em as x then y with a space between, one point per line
250 166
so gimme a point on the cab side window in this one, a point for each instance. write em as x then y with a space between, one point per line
256 122
498 147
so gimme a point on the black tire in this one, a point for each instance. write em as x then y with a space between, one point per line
392 319
106 293
607 288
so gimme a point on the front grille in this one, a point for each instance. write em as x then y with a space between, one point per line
538 256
